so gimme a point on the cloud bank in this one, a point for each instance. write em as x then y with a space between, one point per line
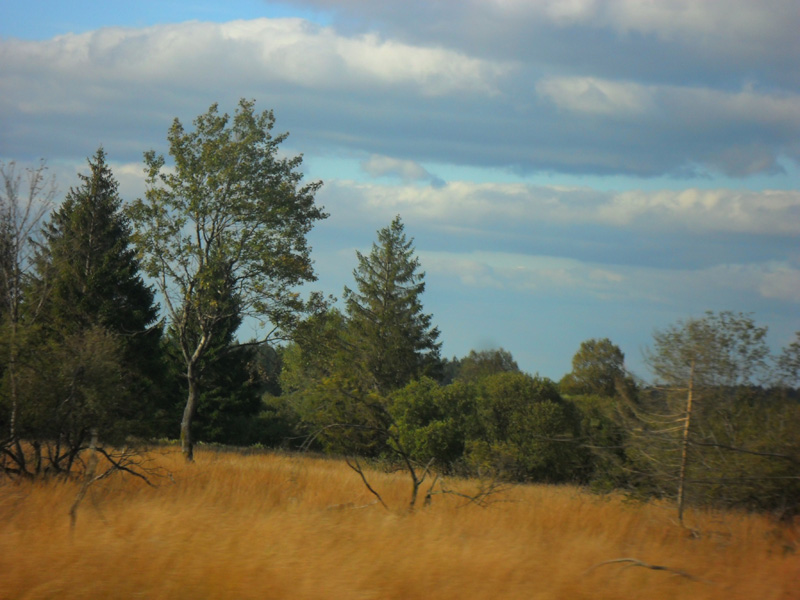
568 168
575 87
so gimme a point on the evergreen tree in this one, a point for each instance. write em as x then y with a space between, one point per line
87 262
392 336
88 277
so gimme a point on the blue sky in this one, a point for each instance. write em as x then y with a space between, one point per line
568 169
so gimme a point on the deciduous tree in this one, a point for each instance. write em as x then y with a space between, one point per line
702 367
25 198
223 232
479 364
598 367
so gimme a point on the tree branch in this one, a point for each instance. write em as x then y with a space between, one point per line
634 562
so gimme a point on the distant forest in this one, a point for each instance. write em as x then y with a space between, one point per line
120 325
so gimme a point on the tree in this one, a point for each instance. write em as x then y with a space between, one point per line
480 364
788 364
391 335
88 276
20 215
528 432
701 365
434 422
72 387
224 233
597 368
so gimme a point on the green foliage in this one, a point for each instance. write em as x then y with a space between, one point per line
277 424
230 398
479 364
432 422
84 349
87 276
316 350
86 262
597 369
736 446
528 432
328 390
788 364
724 349
341 369
224 233
231 214
70 386
753 460
605 437
388 332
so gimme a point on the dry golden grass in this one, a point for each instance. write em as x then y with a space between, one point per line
265 526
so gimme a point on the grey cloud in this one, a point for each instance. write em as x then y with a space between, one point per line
520 107
406 170
652 41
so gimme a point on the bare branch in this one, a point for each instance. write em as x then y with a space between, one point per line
357 468
635 562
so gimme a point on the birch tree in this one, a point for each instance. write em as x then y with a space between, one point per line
223 233
25 199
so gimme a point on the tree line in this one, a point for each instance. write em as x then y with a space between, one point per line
120 325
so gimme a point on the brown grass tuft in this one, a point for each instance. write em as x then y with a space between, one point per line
276 526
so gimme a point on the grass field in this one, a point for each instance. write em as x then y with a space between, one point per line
276 526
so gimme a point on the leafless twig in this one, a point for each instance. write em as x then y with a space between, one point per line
635 562
356 466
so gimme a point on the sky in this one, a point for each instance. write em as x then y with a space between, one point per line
568 169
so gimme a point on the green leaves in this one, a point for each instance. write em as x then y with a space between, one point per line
223 231
597 368
727 349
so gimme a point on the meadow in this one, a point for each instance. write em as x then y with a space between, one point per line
272 526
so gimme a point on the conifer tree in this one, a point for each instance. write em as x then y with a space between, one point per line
88 264
392 336
88 276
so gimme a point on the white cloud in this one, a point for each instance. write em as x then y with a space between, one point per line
685 106
580 86
521 272
284 50
514 206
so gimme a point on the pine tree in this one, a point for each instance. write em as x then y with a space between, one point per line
392 336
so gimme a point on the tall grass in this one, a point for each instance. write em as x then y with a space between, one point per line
274 526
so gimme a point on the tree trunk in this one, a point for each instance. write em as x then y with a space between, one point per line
187 445
685 446
14 393
88 479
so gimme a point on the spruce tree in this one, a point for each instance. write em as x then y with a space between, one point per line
87 262
88 277
393 338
